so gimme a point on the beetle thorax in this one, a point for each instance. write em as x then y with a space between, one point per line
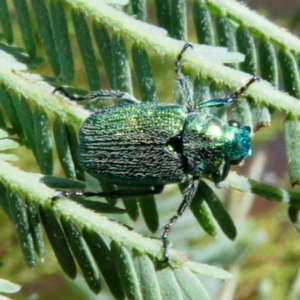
208 143
203 144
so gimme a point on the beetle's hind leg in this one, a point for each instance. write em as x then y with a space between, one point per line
188 196
157 189
99 95
184 86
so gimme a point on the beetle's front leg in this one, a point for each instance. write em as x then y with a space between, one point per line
188 196
226 100
220 175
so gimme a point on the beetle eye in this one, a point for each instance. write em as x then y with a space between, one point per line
248 128
234 123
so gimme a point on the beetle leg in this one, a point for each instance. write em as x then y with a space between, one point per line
220 175
226 100
188 196
100 95
112 194
182 82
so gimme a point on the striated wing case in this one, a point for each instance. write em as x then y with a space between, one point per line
130 144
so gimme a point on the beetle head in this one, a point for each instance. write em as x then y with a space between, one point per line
237 142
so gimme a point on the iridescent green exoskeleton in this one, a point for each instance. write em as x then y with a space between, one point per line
151 145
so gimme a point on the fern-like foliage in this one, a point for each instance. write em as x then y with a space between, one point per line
75 37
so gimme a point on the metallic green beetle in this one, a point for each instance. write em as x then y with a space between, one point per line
151 145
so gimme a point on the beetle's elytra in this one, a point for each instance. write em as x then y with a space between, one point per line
151 145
